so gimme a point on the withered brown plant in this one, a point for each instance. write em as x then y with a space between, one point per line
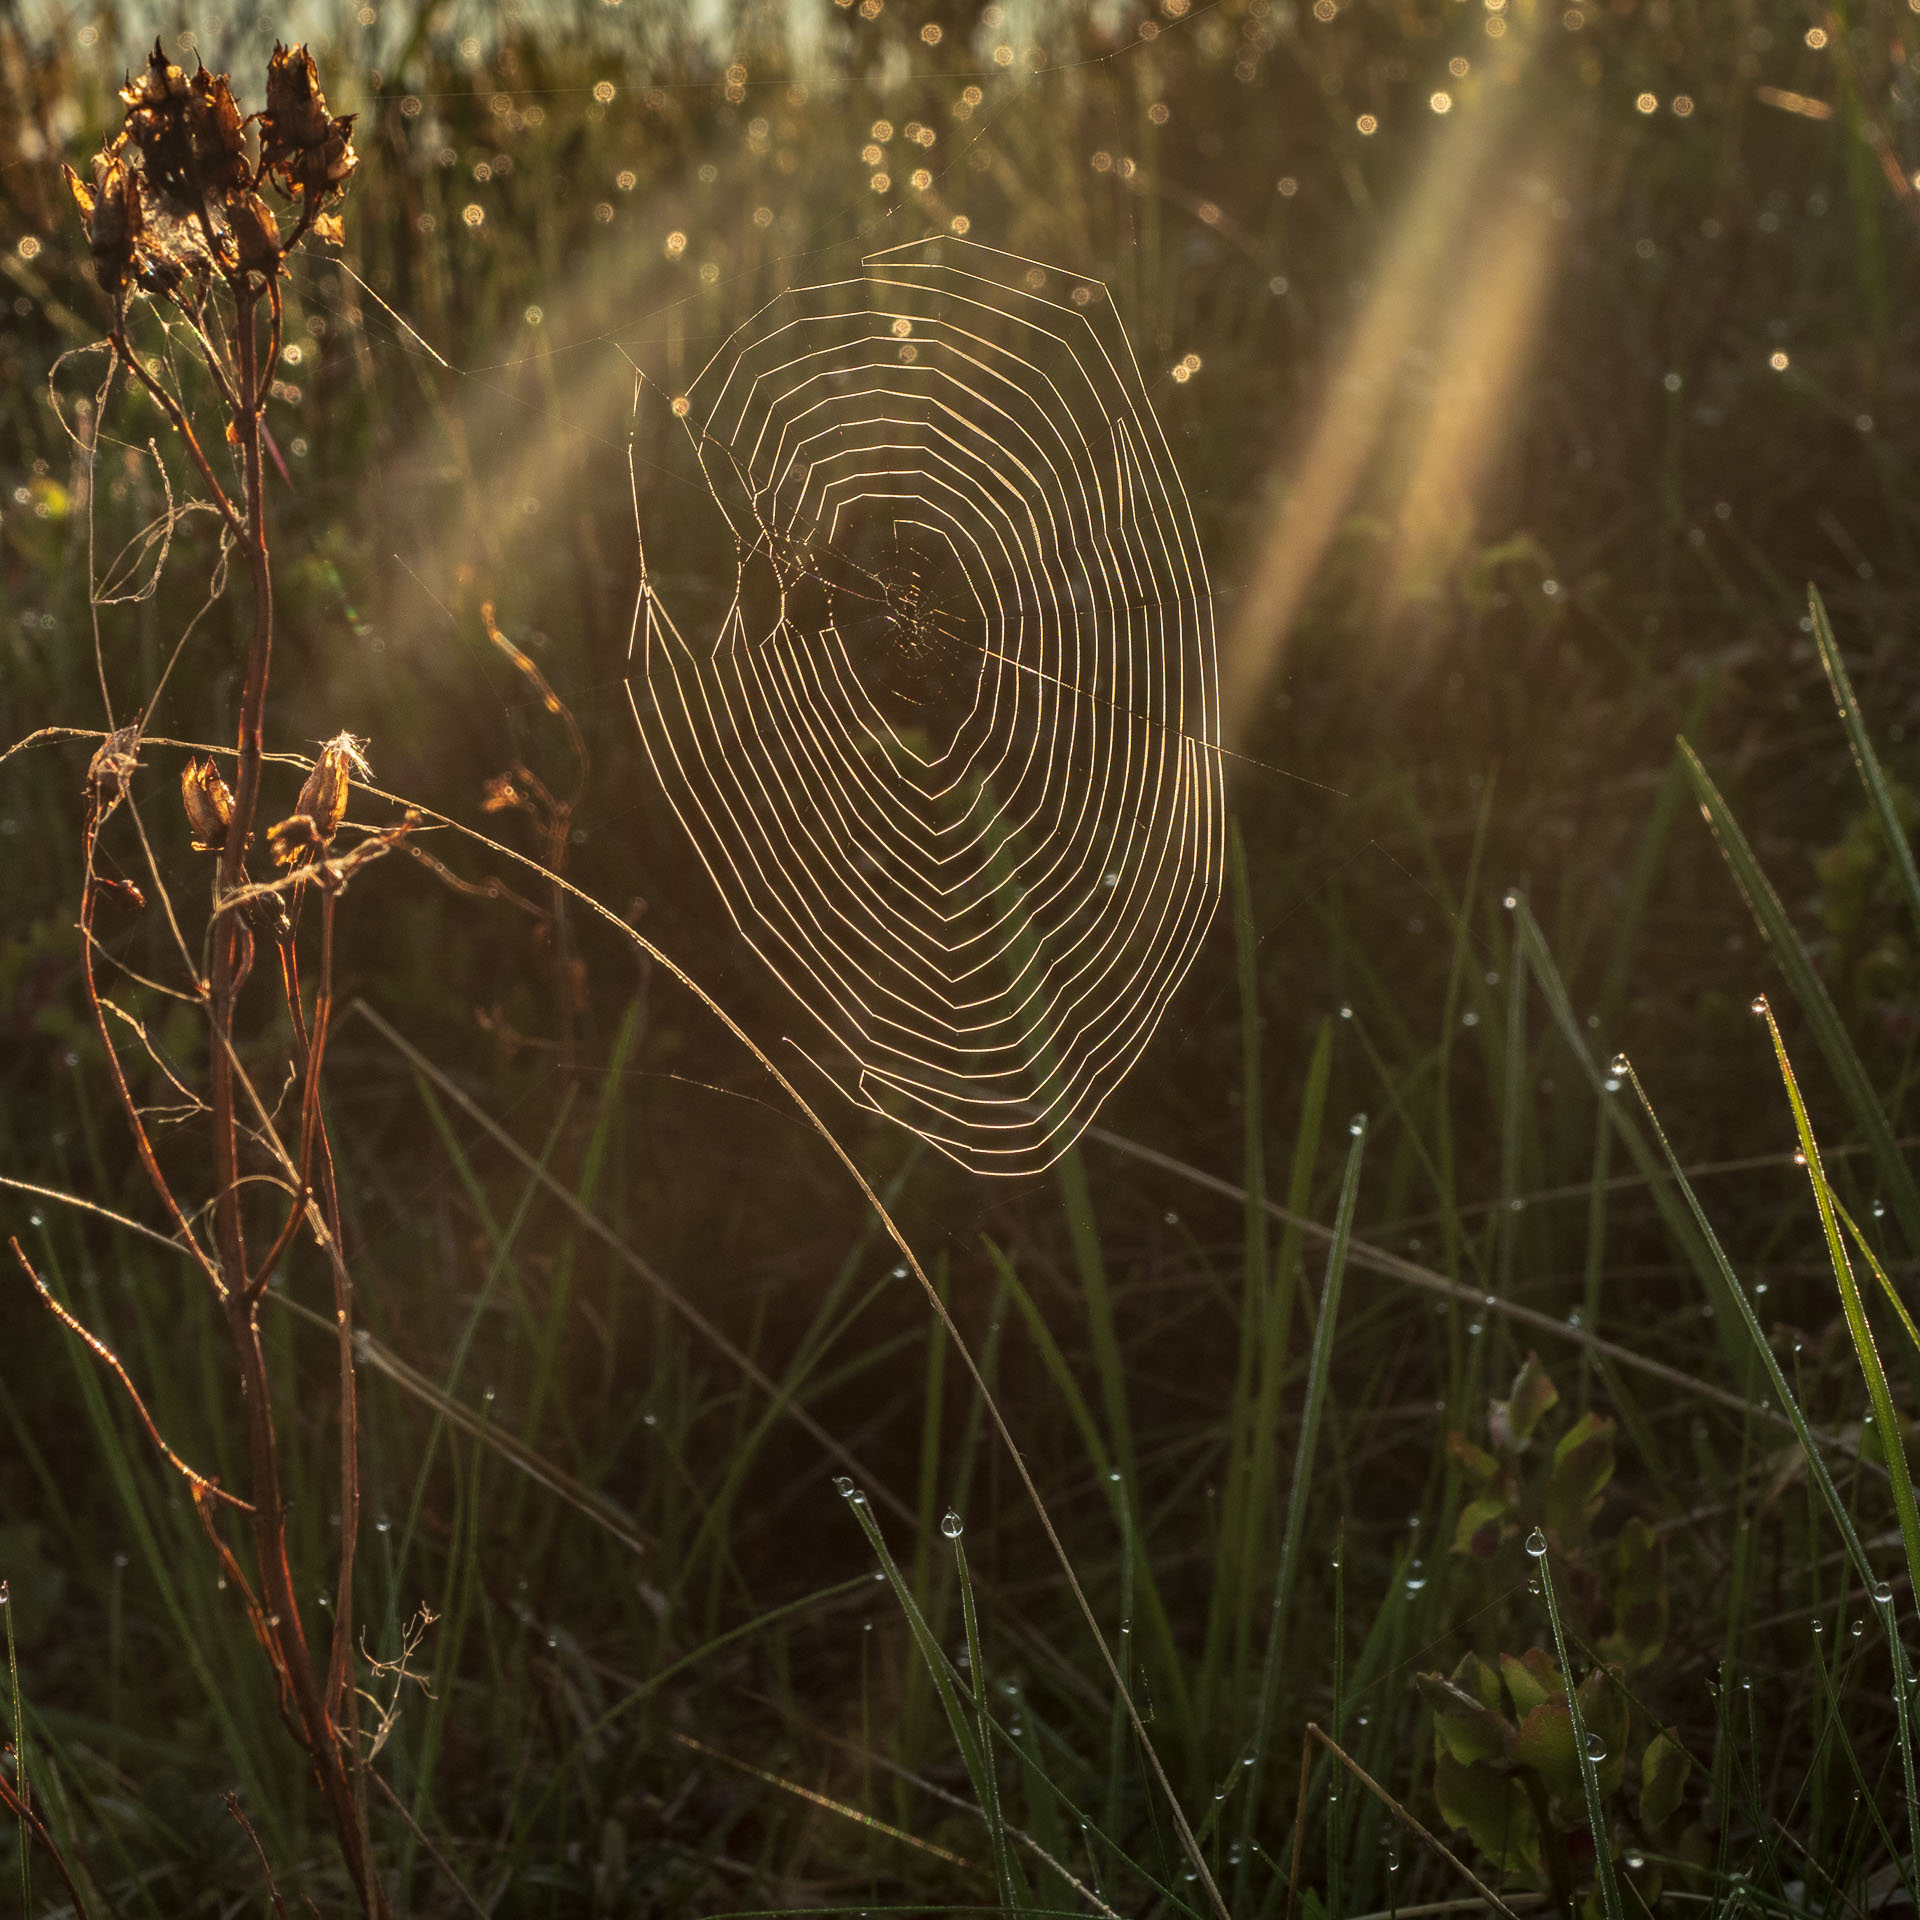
191 211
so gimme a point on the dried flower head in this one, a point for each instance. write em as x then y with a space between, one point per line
209 804
187 131
175 193
306 150
308 831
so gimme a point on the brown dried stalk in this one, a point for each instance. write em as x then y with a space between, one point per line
178 221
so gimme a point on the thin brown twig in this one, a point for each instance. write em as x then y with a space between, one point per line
177 419
143 1144
246 1826
199 1481
13 1803
439 1859
1428 1839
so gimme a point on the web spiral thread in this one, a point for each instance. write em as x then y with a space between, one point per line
952 757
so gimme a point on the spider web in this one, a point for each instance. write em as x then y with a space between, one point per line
952 757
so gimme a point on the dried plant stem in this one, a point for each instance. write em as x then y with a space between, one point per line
314 1705
15 1805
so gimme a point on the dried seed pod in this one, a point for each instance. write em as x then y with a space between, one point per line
111 768
256 232
308 831
209 805
307 150
114 218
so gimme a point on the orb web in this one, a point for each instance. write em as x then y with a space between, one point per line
952 755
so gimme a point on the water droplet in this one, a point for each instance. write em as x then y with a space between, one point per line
1474 1327
1346 1013
1799 1158
1819 1626
649 1419
858 1498
1879 1209
1635 1861
1416 1575
1114 1476
1882 1593
1171 1218
952 1526
1596 1747
1759 1003
1858 1628
1536 1543
35 1220
383 1525
1611 1083
843 1486
900 1272
1357 1125
1510 899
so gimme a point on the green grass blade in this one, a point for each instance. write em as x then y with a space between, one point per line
1859 1328
1734 1295
1829 1031
1866 761
1319 1367
932 1654
1879 1272
1004 1871
1589 1771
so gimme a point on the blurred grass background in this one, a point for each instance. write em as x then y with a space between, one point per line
1524 365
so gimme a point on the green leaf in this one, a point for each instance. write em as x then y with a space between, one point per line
1530 1679
1493 1808
1512 1421
1482 1525
1639 1596
1582 1466
1465 1723
1479 1678
1663 1777
1545 1743
1476 1462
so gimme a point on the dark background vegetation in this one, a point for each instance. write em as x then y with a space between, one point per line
1620 553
